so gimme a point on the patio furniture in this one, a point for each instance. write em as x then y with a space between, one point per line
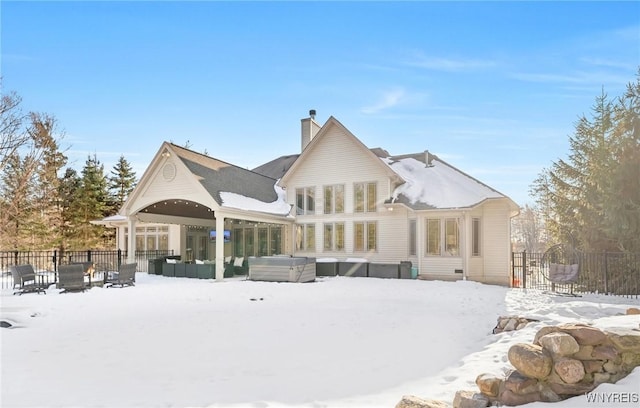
563 265
71 278
26 279
126 276
282 269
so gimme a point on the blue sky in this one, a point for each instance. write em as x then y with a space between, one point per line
494 88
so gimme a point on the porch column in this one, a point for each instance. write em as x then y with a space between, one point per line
131 249
219 247
466 239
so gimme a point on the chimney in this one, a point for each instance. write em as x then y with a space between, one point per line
428 158
309 128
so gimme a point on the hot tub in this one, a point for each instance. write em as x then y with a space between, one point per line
282 269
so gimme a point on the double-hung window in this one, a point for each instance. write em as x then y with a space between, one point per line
365 197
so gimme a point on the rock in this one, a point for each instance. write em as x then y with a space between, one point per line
521 325
599 378
489 384
530 360
605 353
470 399
571 371
584 353
512 399
630 360
584 335
625 339
593 366
543 332
571 389
411 401
547 395
519 384
633 311
560 344
611 367
511 325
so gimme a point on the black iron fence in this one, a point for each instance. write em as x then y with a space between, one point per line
611 273
47 262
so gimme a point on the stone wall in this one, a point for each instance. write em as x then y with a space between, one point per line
563 361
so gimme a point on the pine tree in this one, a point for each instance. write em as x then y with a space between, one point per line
68 190
50 160
121 182
91 203
17 204
592 199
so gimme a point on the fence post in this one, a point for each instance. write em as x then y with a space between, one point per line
55 260
606 272
524 269
119 257
88 255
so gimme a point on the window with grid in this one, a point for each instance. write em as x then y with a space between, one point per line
334 199
365 236
365 197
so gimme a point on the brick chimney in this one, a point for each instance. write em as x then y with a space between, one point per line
309 128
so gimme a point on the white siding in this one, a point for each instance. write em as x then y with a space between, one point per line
339 159
182 186
496 235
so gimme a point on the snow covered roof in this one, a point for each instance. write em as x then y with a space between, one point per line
234 187
430 183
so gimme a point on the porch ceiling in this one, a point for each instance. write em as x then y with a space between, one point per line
180 208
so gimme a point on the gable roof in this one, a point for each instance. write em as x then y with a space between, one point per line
232 186
317 139
431 183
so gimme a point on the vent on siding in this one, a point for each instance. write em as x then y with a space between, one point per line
169 172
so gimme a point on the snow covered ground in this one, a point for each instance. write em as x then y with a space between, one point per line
337 342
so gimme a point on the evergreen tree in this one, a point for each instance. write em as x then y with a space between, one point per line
591 199
50 160
121 183
17 204
91 203
70 219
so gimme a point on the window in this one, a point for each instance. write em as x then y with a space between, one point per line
371 197
305 200
365 197
433 236
333 236
412 237
372 236
149 238
452 237
334 199
475 237
339 236
443 237
263 244
305 237
276 240
365 236
328 237
238 242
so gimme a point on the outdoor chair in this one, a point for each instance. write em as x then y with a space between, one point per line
563 266
126 276
71 278
25 278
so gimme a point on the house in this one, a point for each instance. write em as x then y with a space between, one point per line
336 199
